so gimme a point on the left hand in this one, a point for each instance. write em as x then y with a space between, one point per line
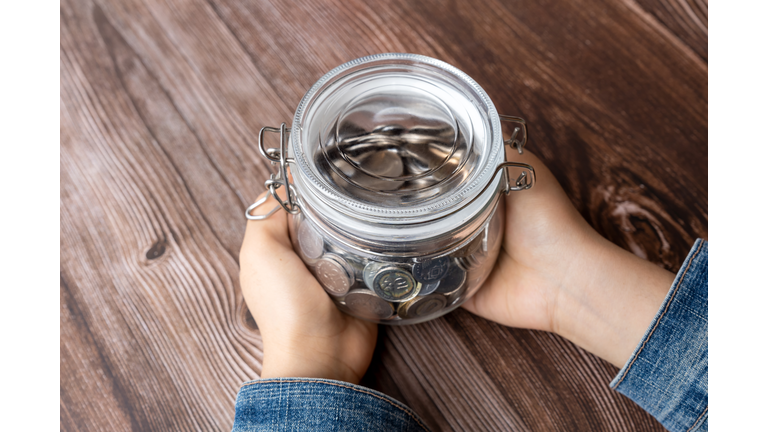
304 333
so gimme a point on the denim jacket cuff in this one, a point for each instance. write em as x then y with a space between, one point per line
667 374
319 404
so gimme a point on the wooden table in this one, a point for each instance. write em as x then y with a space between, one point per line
161 103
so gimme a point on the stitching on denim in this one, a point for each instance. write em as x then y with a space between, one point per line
416 419
666 308
697 420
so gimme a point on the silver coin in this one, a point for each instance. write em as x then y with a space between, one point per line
370 271
357 266
453 281
366 304
457 296
336 249
422 306
473 261
354 261
431 270
428 288
310 241
395 284
334 274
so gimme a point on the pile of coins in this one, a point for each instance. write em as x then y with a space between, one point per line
383 291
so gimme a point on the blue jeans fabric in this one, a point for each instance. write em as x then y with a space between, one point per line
667 373
666 376
315 404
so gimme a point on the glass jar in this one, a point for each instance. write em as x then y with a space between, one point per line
398 167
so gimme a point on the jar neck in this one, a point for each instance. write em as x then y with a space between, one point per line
437 236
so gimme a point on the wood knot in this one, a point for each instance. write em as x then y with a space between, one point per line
641 221
157 250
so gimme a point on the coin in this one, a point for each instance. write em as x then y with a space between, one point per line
356 265
366 304
395 284
422 306
310 241
428 288
431 270
457 296
453 281
473 261
369 272
354 261
334 274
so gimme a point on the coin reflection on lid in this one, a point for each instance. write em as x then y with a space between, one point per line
422 306
310 241
334 274
368 305
395 284
431 270
453 281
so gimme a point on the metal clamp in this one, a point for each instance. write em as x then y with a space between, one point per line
512 141
276 181
524 181
527 178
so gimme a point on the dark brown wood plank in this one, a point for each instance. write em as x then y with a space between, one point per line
160 105
686 19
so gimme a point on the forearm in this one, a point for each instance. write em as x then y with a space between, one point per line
609 299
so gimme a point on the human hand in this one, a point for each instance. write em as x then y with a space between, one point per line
556 273
304 333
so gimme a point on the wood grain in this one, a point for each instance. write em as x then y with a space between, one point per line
160 106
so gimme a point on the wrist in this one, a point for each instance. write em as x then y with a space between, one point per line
292 352
607 302
299 363
305 369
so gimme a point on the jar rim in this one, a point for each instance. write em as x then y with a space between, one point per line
440 206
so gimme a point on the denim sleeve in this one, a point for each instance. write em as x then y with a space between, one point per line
316 404
667 373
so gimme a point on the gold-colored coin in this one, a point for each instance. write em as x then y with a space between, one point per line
422 306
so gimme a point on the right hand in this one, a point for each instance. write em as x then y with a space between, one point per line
556 273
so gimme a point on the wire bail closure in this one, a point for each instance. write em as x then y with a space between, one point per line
276 181
527 178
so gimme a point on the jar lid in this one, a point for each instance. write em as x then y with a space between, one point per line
395 138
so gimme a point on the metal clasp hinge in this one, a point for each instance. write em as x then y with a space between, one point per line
276 180
524 181
513 141
527 178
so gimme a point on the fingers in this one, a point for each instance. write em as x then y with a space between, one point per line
546 187
266 254
275 227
